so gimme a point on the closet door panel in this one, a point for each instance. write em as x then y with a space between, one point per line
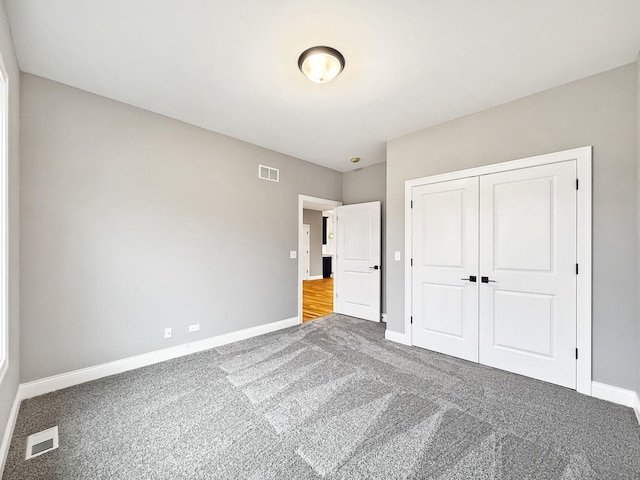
445 255
527 307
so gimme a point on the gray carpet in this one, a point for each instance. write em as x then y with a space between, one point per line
328 399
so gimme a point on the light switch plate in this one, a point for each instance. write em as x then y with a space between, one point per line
396 256
293 254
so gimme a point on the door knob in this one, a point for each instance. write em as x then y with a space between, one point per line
375 267
486 280
472 278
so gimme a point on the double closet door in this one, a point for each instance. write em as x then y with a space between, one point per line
494 270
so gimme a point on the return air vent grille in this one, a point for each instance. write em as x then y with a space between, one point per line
268 173
42 442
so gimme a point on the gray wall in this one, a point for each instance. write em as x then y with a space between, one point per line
132 222
369 184
314 220
600 111
366 184
10 381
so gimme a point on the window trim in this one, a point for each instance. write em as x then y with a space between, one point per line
4 223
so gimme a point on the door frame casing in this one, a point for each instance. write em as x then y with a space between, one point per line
583 158
302 199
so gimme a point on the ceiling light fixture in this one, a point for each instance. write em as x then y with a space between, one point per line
355 159
321 64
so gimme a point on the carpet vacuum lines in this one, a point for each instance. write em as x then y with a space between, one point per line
329 399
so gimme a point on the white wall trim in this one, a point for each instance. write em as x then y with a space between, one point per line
613 394
396 337
64 380
8 431
4 220
618 395
545 159
583 286
583 157
315 277
302 200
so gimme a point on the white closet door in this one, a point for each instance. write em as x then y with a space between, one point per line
528 261
445 253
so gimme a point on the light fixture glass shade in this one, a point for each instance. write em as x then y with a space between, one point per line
321 64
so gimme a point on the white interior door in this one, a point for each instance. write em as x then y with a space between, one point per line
445 266
528 272
305 246
358 269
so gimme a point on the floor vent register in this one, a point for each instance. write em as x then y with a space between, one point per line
42 442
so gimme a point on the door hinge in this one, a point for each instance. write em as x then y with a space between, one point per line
412 262
576 353
411 320
576 269
411 203
577 183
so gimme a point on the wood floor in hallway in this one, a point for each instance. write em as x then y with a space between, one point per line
317 298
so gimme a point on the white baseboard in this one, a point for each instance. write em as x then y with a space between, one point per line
618 395
64 380
8 431
316 277
612 394
395 337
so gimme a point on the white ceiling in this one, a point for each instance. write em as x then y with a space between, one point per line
231 66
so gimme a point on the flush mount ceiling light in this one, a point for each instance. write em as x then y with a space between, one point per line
321 64
355 159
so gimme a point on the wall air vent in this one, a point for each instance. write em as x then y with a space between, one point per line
42 442
268 173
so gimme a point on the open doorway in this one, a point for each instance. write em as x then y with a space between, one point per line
317 257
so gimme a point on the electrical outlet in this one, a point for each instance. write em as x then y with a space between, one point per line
167 332
194 328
